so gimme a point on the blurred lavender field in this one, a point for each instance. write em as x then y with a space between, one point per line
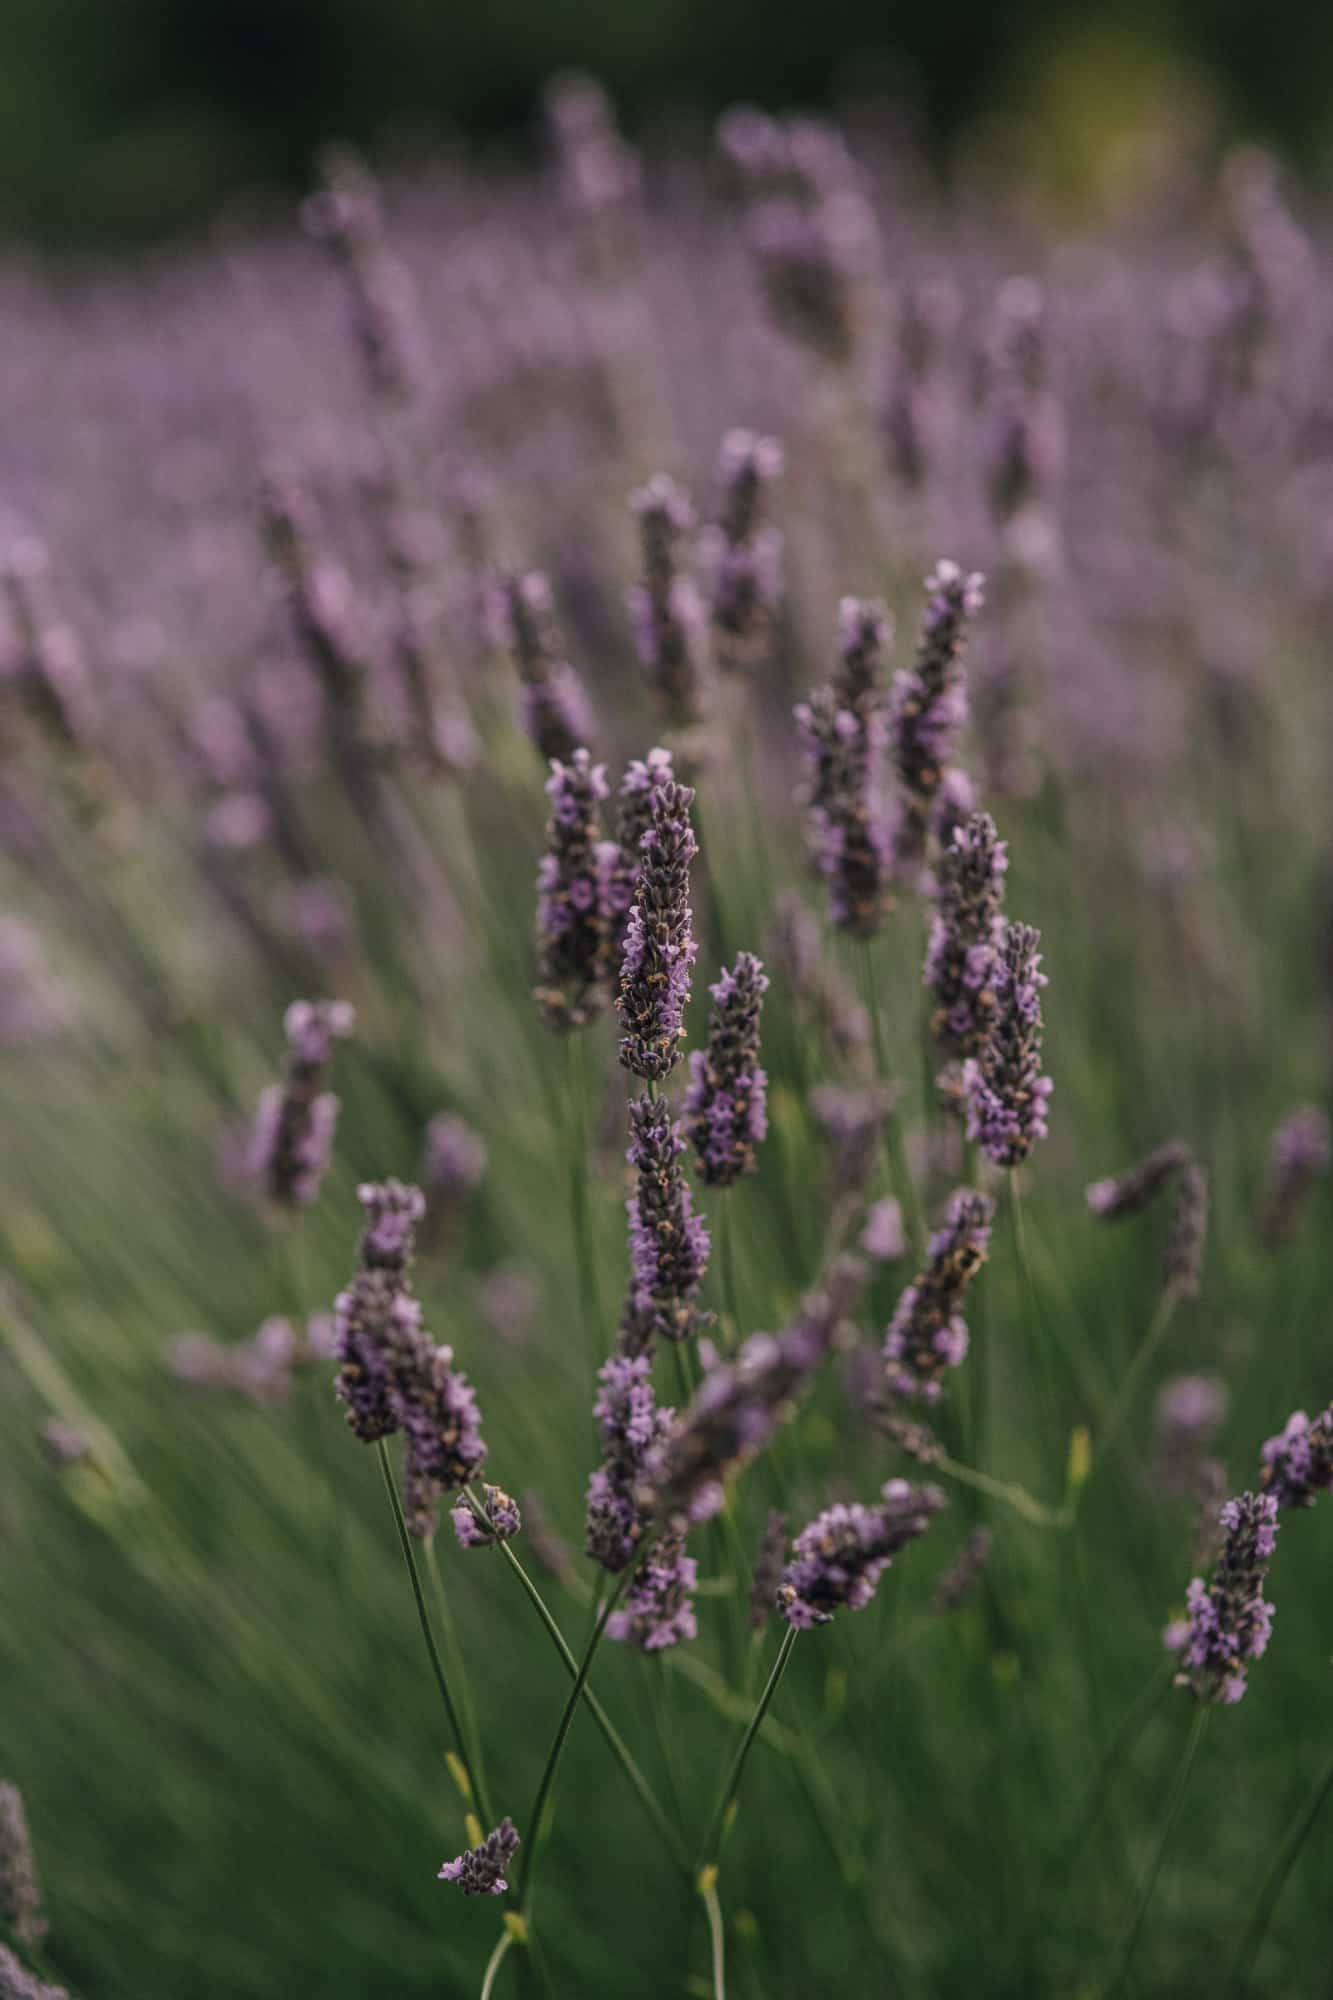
316 546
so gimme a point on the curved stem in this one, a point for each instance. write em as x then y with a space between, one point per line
467 1713
615 1742
1123 1402
1009 1491
716 1931
494 1962
423 1615
1125 1955
1274 1883
731 1785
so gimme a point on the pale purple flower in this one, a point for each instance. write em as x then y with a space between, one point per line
634 817
883 1237
839 1559
930 706
1298 1159
725 1107
658 1608
1298 1462
849 837
481 1871
502 1520
1129 1192
454 1160
668 614
741 555
295 1122
555 710
1228 1622
17 1983
20 1890
630 1424
928 1334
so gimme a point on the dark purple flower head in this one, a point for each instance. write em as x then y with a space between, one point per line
668 1242
659 939
956 1584
966 934
740 1403
849 837
295 1122
1131 1191
634 808
20 1891
1006 1091
725 1106
555 709
742 555
1182 1259
481 1871
1298 1462
668 613
1228 1622
839 1559
502 1520
928 1333
1297 1161
930 706
573 920
631 1426
768 1564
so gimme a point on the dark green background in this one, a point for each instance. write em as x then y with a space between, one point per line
127 117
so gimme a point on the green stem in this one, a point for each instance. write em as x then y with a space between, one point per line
1123 1403
1274 1883
1125 1955
614 1741
423 1615
716 1931
548 1776
585 1247
1012 1494
494 1962
712 1839
457 1668
907 1191
726 1252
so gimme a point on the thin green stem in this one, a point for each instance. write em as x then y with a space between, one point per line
614 1741
1123 1402
1274 1883
731 1785
427 1633
1009 1491
1125 1955
716 1931
495 1961
585 1246
467 1711
906 1186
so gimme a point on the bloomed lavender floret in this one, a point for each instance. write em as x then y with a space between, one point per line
1298 1159
965 935
740 1403
930 706
1298 1462
392 1209
659 939
668 1242
839 1559
554 707
928 1333
503 1520
726 1104
742 554
1005 1089
1187 1237
573 929
631 1425
1131 1191
667 611
634 816
1228 1622
20 1890
296 1119
481 1871
658 1610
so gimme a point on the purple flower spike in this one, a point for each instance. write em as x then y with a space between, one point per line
573 927
839 1559
631 1425
658 1610
742 554
555 709
1228 1622
928 1333
659 940
481 1871
930 706
1298 1462
1006 1092
295 1122
725 1106
1297 1161
17 1983
643 777
1182 1259
1131 1191
966 936
502 1514
844 751
669 1243
668 614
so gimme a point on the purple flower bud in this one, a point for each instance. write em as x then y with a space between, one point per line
659 939
658 1610
927 1333
966 935
631 1425
481 1871
1131 1191
1228 1622
1298 1160
1006 1092
17 1983
643 777
294 1125
502 1515
573 927
1182 1259
669 617
455 1157
741 555
669 1243
844 753
1190 1412
725 1106
555 708
1298 1462
883 1237
930 706
839 1559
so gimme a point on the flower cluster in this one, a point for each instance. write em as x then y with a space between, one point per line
668 1242
631 1426
1005 1089
555 709
481 1871
930 706
839 1559
927 1333
1298 1462
573 930
966 935
503 1520
1229 1622
741 554
1129 1192
668 614
634 802
1297 1161
658 1610
296 1119
849 839
659 939
725 1108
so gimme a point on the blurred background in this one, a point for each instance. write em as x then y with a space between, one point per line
130 120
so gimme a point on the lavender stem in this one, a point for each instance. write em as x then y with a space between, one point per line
1125 1954
1274 1883
712 1840
456 1665
716 1931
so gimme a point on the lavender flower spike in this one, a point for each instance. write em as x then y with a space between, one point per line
1131 1191
20 1891
742 554
670 622
725 1110
1182 1259
1298 1462
965 935
634 803
481 1871
669 1243
839 1559
501 1512
294 1125
573 944
1228 1622
631 1425
849 837
1297 1160
659 940
927 1333
930 705
658 1610
1006 1092
555 707
17 1983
